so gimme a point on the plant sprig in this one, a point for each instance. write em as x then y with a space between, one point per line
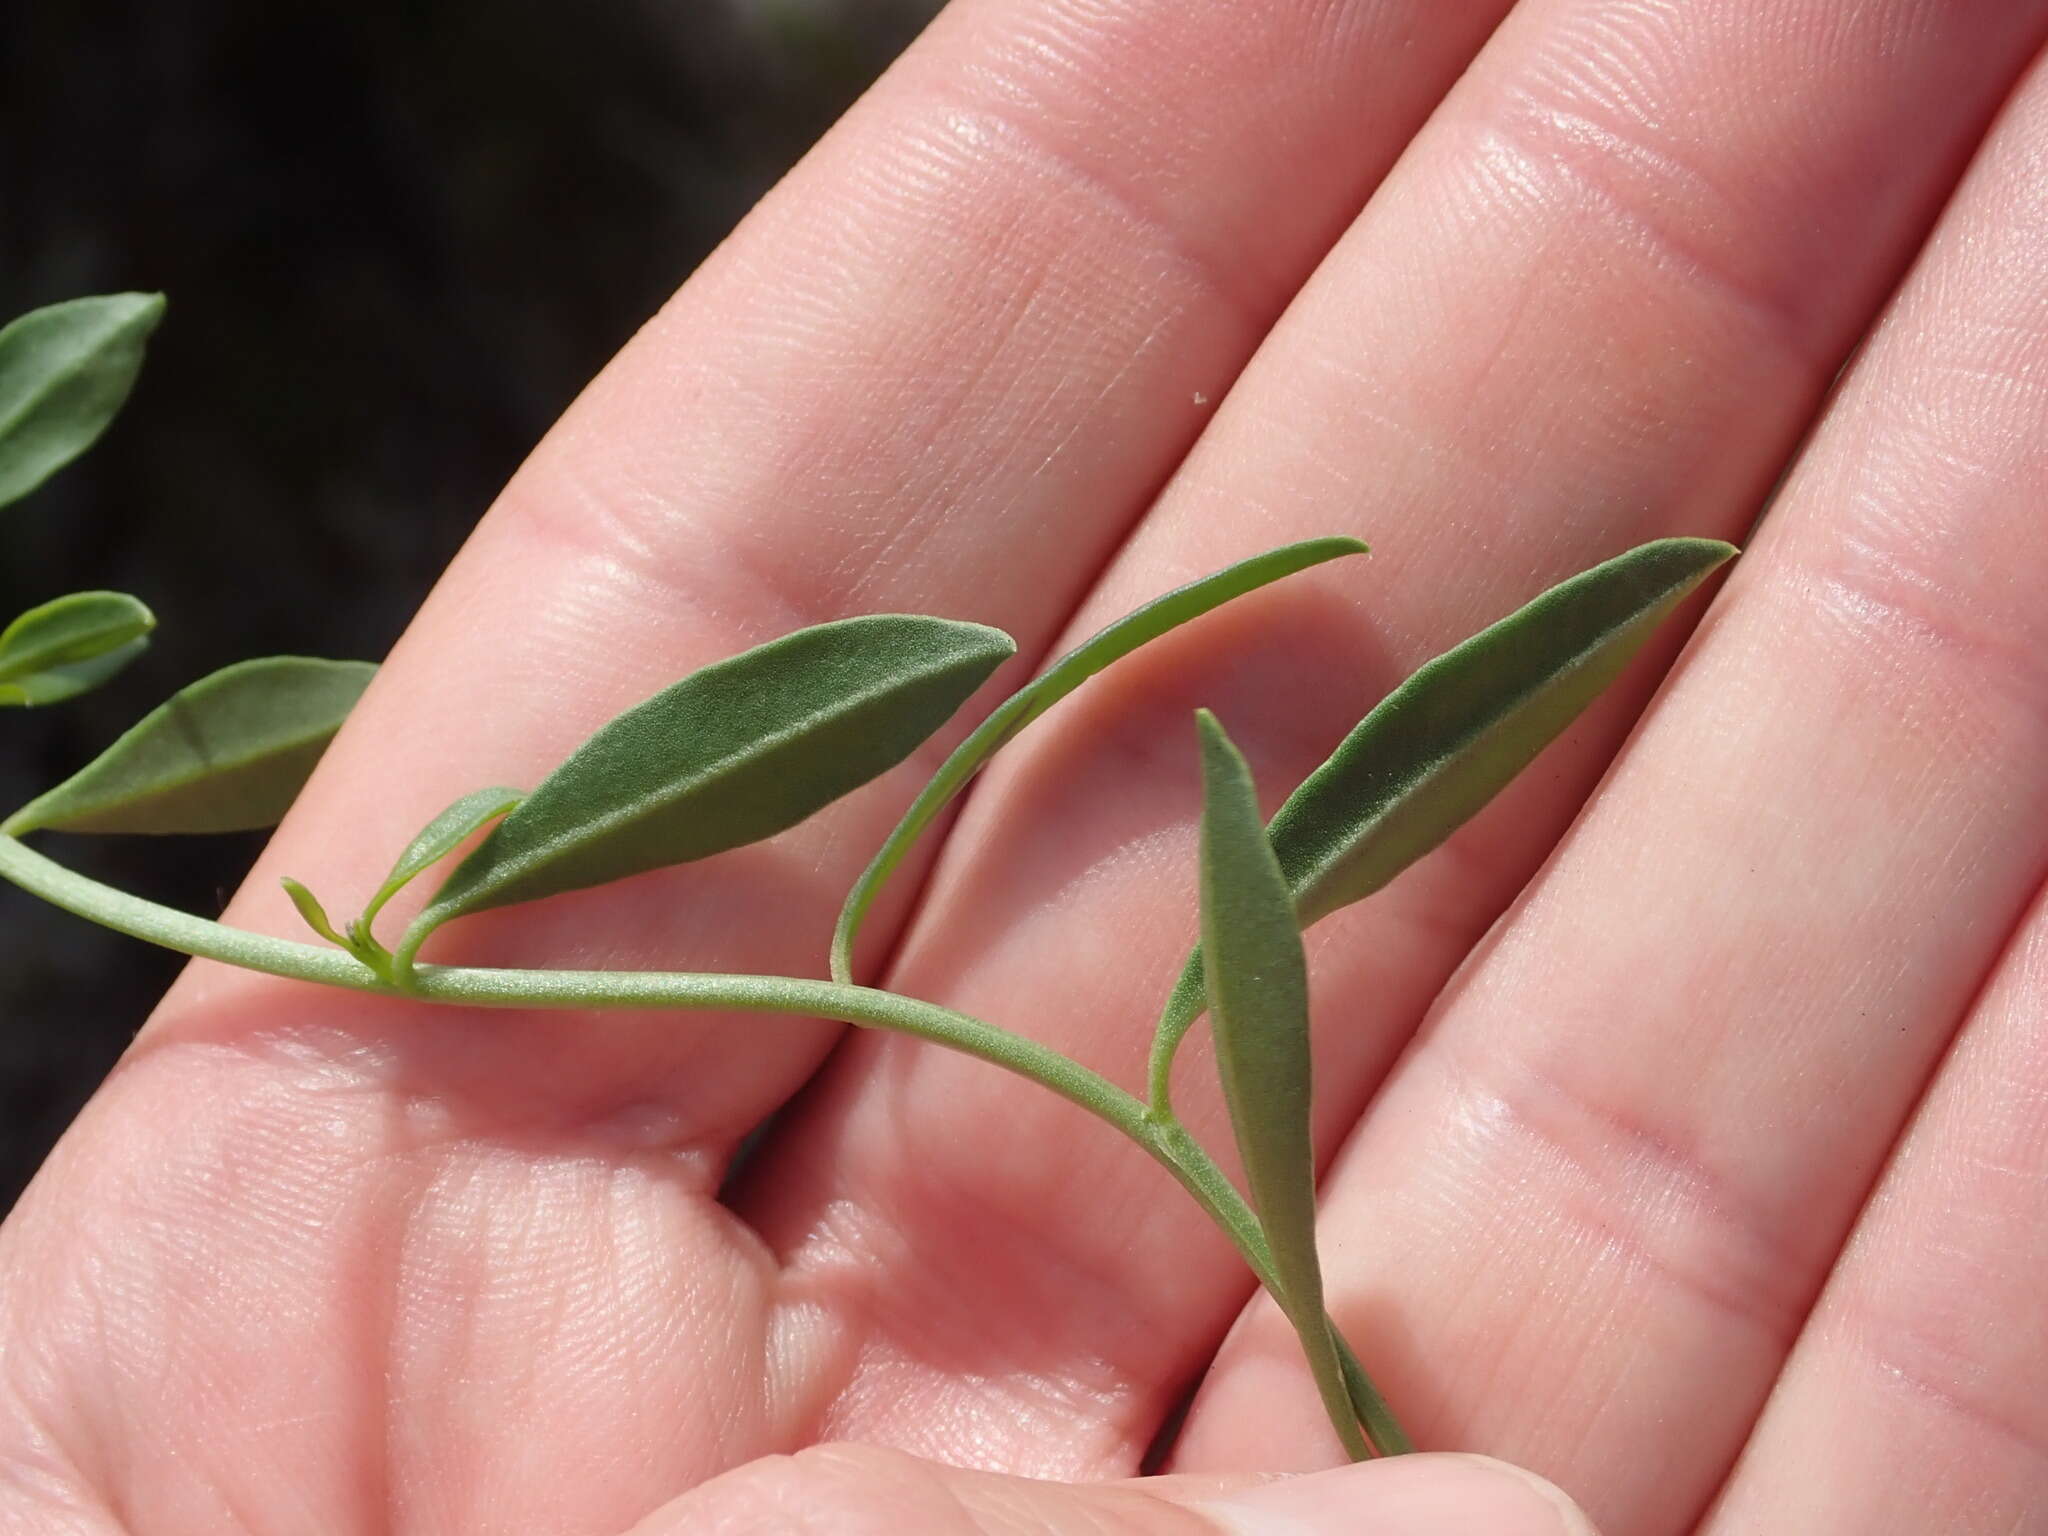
748 747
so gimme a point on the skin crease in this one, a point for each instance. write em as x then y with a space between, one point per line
1684 1117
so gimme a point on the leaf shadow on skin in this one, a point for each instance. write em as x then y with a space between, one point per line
1289 671
1009 1344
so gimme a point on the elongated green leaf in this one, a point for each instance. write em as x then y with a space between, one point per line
1133 630
227 754
1433 752
734 753
1258 1000
1445 742
64 372
440 837
70 645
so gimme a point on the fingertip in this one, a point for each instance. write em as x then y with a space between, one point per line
1424 1495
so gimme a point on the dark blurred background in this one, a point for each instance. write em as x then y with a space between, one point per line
396 241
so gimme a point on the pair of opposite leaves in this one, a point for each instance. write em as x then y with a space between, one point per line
750 746
64 372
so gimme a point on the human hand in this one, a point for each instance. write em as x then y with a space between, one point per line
1600 1154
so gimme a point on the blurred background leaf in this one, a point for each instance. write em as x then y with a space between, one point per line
414 230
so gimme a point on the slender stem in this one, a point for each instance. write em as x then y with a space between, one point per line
1199 1175
172 929
788 994
494 988
1166 1140
1185 1004
1213 1191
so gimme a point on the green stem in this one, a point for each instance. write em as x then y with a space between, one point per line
166 926
1184 1005
493 988
1185 1158
1166 1140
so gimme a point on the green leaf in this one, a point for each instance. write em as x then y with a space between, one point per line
1258 997
227 754
1445 742
311 910
70 645
732 754
1433 752
441 837
64 372
1133 630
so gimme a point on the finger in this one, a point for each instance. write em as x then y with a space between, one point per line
1596 302
857 1489
1914 1400
1584 1222
941 369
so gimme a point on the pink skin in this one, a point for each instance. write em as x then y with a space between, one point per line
1601 1152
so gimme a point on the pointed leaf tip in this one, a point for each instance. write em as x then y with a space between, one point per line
1438 748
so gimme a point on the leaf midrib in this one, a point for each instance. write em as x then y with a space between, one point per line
634 809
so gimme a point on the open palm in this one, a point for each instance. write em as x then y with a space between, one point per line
1685 1136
